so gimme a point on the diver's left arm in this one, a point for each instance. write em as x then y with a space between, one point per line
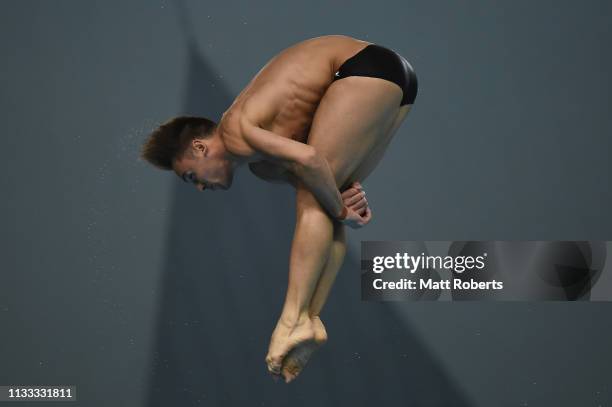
307 165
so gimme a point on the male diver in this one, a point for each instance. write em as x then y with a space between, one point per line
318 115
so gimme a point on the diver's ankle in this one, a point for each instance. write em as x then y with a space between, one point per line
293 319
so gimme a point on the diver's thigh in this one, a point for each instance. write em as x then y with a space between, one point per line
372 160
353 117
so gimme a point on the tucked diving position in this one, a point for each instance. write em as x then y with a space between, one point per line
319 115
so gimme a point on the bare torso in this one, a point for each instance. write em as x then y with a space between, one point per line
284 95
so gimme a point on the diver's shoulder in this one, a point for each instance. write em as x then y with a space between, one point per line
233 139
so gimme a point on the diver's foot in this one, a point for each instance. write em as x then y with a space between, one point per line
285 337
296 359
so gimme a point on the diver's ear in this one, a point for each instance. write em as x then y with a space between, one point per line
199 148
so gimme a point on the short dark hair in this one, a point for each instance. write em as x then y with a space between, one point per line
171 138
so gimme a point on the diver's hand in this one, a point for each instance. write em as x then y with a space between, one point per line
354 198
358 213
356 221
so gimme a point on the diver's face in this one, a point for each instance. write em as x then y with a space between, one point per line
204 167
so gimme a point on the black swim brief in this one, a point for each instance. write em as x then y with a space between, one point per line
379 62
